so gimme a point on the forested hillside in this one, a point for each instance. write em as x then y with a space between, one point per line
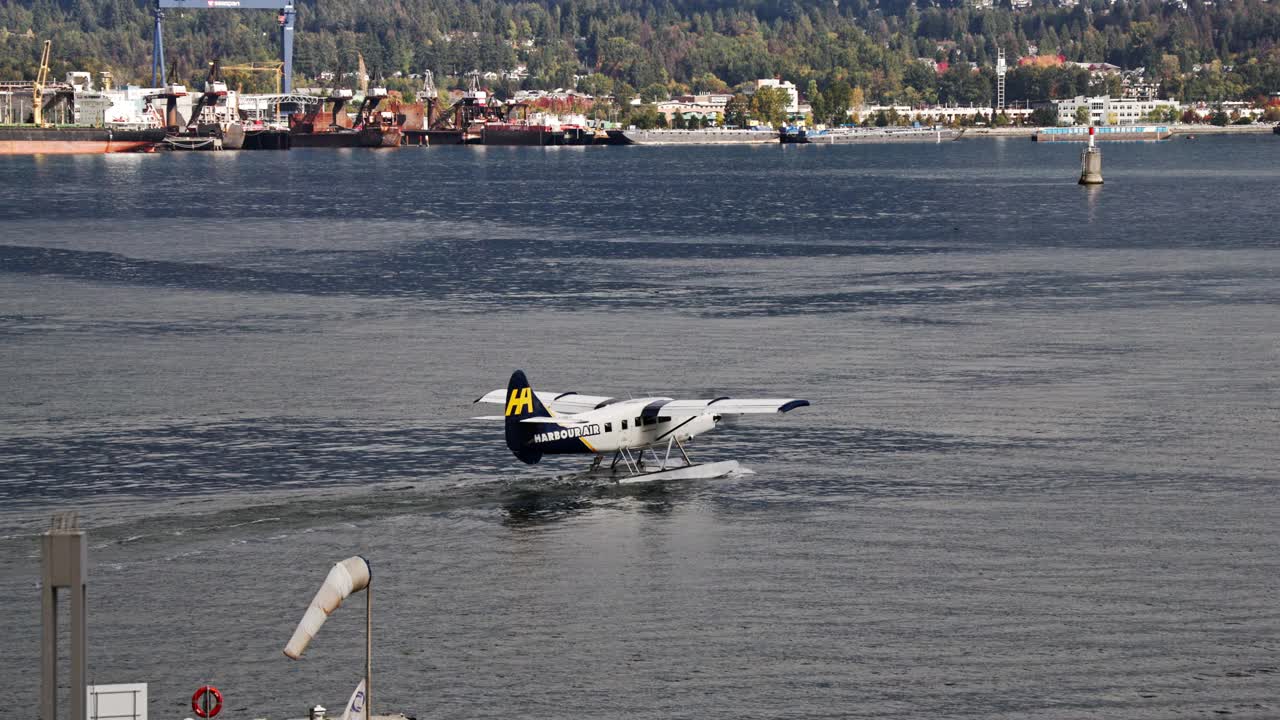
1214 51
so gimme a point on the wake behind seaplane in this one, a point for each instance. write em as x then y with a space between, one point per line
570 423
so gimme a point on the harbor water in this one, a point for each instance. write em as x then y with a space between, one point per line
1038 478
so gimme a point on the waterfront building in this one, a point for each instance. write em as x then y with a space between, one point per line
707 107
1106 110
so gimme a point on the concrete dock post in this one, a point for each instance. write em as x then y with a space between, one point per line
1091 163
65 562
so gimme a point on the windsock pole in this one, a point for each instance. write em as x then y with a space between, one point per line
368 650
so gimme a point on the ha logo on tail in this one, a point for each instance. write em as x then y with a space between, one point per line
570 423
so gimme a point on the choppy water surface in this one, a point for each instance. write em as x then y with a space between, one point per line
1038 478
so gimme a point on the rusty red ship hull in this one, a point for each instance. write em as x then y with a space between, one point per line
76 140
367 137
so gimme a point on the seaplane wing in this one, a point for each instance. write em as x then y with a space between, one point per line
573 403
560 420
731 406
565 403
547 423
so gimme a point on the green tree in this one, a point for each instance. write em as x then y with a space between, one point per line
1082 115
707 82
769 105
596 85
654 92
839 98
1044 116
645 117
737 112
623 94
817 102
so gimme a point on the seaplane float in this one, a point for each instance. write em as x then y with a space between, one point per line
640 433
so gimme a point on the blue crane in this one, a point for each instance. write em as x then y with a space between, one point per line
288 15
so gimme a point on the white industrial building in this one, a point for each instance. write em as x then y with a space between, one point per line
1105 110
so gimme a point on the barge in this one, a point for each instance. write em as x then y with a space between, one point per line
1080 133
520 133
841 136
708 136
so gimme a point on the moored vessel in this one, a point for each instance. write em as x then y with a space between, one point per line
1080 133
266 137
520 133
840 136
706 136
374 137
31 140
373 129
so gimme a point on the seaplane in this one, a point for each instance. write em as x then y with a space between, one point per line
640 433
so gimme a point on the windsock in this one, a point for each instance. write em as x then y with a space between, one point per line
349 576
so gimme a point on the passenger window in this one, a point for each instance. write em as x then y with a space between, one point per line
624 424
664 419
608 427
639 422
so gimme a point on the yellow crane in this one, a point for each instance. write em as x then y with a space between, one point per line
277 68
37 88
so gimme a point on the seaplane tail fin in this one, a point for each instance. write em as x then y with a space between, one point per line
522 405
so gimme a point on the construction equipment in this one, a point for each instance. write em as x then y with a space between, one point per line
287 17
37 88
214 91
277 68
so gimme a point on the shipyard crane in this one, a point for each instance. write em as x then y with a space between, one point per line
276 68
473 105
288 15
37 88
368 105
339 98
214 91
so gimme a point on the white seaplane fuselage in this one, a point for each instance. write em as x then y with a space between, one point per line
623 425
